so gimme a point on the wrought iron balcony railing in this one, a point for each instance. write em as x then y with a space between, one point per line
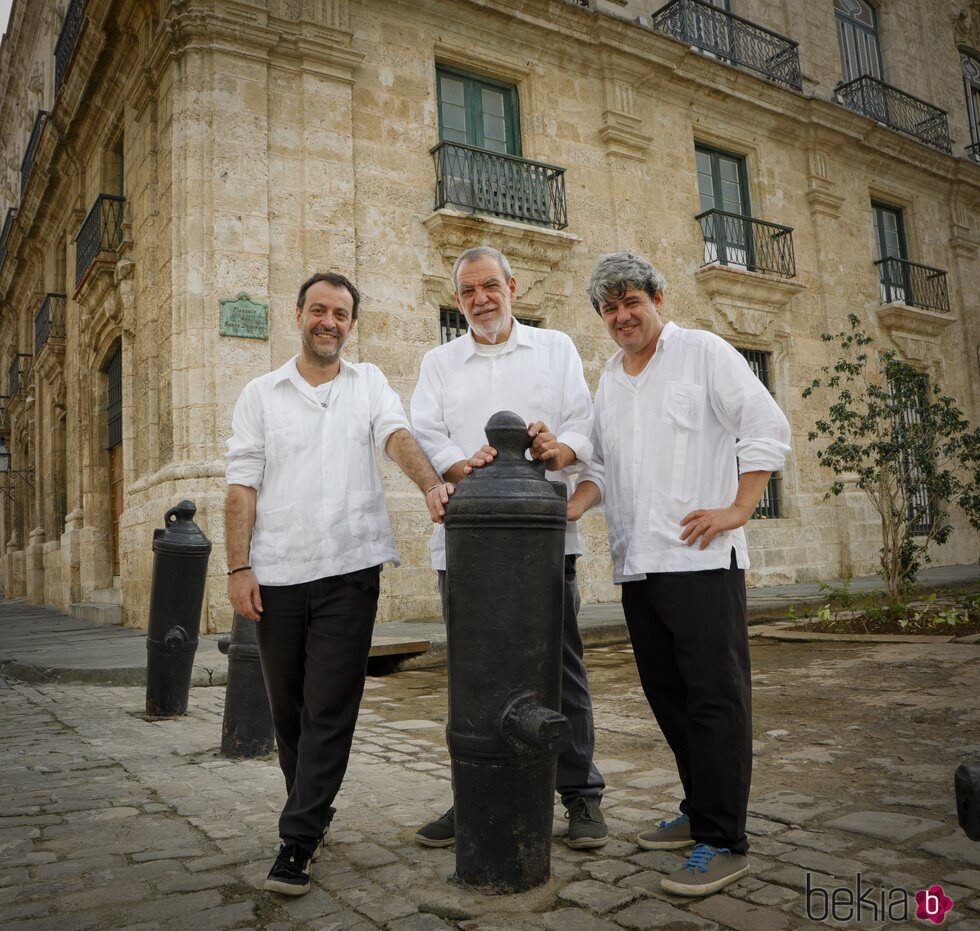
896 109
913 284
504 185
5 232
4 419
733 39
64 50
973 151
49 321
743 242
28 162
20 365
101 231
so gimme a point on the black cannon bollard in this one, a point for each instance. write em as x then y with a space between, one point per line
246 729
967 783
180 566
505 545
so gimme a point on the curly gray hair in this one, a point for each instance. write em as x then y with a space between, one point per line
616 272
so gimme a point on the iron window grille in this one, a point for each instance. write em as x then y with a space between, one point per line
499 184
743 242
20 366
27 164
101 231
913 284
452 323
769 507
732 39
973 151
897 110
64 50
49 321
5 232
908 433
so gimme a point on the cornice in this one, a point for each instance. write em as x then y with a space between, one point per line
913 330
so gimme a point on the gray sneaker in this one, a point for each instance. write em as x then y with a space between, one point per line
586 826
707 870
438 833
670 835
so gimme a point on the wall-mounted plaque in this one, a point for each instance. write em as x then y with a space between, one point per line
241 316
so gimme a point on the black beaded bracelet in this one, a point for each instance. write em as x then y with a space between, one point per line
239 569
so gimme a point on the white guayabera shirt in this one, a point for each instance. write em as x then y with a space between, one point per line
537 374
665 443
321 508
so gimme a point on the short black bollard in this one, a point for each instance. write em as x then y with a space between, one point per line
967 783
246 729
505 544
180 566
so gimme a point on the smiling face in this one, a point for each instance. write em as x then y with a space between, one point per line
325 321
633 321
483 294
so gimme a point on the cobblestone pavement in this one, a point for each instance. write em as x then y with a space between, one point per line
109 820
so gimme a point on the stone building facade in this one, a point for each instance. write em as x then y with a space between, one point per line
162 156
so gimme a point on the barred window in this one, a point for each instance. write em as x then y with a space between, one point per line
770 505
452 323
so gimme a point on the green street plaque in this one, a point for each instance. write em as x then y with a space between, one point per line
242 316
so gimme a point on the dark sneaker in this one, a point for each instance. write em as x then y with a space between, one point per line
669 835
290 874
707 870
586 826
438 833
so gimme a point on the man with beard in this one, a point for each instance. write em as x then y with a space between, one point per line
501 364
307 533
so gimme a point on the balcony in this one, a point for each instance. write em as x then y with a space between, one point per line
732 39
100 232
4 418
49 321
913 284
502 185
20 366
64 50
28 163
973 151
5 232
743 242
897 110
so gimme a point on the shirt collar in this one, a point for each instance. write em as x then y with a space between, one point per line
519 336
615 363
290 372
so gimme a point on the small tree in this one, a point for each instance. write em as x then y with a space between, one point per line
908 446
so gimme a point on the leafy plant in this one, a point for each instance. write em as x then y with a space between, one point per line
907 446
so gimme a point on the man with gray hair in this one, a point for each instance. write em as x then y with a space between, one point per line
684 442
501 364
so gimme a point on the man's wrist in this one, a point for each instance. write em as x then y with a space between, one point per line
239 569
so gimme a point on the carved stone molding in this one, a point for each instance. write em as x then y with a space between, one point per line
748 302
914 331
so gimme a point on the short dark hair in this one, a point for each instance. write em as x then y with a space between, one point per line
338 281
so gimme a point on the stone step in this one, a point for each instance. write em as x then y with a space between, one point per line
97 612
106 596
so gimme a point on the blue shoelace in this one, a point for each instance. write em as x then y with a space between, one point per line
667 825
702 856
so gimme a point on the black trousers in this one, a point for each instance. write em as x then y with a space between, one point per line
690 640
576 773
314 639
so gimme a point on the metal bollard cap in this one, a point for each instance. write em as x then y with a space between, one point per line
181 536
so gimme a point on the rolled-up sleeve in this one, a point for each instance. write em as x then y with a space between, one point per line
746 408
387 411
428 420
245 456
575 429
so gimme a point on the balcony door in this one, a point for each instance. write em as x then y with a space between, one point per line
971 81
723 186
114 446
889 229
857 32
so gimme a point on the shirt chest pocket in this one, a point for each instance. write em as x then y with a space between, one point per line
683 411
290 434
357 422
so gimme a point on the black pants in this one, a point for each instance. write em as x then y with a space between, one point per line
576 773
690 640
314 639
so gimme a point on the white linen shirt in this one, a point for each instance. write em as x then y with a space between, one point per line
537 376
665 445
320 509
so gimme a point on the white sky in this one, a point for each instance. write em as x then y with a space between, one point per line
4 14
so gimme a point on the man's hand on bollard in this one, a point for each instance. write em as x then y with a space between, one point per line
547 448
243 593
483 456
436 499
